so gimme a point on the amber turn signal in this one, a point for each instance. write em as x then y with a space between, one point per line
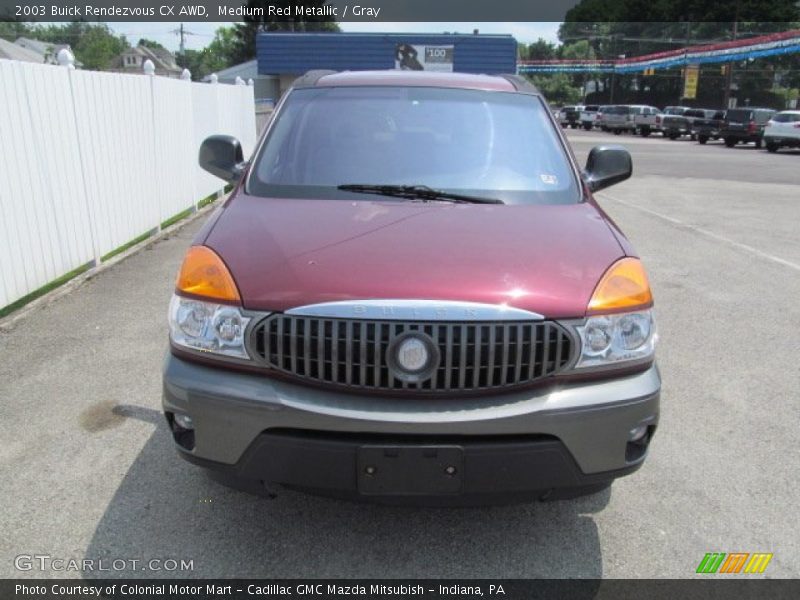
204 274
624 286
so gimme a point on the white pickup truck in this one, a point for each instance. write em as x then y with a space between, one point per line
588 116
647 120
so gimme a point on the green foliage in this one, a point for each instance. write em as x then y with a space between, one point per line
541 50
637 27
558 88
11 30
675 11
220 54
93 44
152 44
97 46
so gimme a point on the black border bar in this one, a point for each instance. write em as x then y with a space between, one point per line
700 587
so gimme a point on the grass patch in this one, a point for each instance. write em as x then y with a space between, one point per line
206 201
175 218
124 247
7 310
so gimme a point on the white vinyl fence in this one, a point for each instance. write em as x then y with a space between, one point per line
90 161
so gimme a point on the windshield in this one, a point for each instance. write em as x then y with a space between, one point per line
786 118
740 115
492 144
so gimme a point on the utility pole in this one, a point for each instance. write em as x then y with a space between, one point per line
182 33
729 70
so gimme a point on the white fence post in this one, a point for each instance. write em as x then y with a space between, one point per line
69 61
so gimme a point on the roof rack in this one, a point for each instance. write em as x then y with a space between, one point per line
521 84
310 78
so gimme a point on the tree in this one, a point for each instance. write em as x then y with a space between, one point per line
93 44
11 30
635 28
152 44
557 88
541 49
97 47
246 32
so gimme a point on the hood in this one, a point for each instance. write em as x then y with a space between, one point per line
285 253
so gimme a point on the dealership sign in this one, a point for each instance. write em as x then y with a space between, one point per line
416 57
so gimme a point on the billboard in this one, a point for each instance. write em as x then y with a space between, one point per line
416 57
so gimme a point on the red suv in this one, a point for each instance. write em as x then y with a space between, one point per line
412 295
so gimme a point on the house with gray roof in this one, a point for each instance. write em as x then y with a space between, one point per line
46 50
132 60
11 51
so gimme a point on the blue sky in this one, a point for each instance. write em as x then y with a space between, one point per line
204 32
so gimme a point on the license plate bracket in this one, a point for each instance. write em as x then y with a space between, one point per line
408 470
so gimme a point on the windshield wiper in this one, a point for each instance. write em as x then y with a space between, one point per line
416 192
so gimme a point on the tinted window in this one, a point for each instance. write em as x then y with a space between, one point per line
694 113
739 115
494 144
786 118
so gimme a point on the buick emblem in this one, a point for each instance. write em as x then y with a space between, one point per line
412 357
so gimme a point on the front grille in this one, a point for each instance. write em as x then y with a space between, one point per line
352 353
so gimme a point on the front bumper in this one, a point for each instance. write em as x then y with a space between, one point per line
782 140
548 437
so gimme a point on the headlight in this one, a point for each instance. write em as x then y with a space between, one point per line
207 326
612 339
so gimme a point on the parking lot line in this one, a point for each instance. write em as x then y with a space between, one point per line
705 232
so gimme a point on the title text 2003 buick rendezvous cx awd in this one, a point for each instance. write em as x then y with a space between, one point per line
411 295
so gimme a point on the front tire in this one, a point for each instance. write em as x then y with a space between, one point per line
701 139
645 132
730 142
673 136
758 143
772 147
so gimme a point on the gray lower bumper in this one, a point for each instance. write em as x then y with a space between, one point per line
231 409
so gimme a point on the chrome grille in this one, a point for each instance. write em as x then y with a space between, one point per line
352 353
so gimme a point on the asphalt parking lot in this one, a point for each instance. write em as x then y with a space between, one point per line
88 469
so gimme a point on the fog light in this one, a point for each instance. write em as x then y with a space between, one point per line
636 434
184 421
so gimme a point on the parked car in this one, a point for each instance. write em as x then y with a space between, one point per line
618 118
743 125
588 116
708 127
783 131
647 120
598 120
340 325
673 123
569 116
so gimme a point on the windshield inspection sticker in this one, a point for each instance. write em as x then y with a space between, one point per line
549 179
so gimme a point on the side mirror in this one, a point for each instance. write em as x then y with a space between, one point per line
606 166
221 155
